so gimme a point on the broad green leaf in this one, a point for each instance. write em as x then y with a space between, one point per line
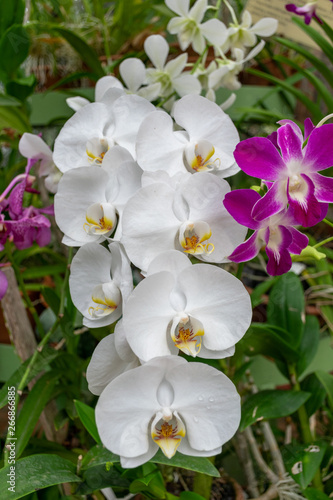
15 118
87 417
312 494
11 13
309 344
310 105
261 289
33 406
315 61
190 495
21 88
196 464
152 484
43 359
8 100
286 306
327 381
312 385
87 53
271 404
302 461
14 49
266 339
37 472
99 455
103 476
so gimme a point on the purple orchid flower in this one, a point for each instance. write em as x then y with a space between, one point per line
3 285
292 170
277 233
308 11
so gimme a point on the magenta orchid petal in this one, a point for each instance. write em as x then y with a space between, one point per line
278 239
299 242
319 149
3 285
15 200
239 204
308 127
290 143
306 208
272 203
259 158
247 250
323 187
273 138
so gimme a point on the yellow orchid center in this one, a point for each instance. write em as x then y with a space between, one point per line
198 157
107 296
192 236
168 434
186 333
101 219
96 149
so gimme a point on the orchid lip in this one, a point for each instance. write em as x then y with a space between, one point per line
192 235
107 296
198 156
96 148
186 333
168 432
101 219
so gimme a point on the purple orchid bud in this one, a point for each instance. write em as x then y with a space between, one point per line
308 11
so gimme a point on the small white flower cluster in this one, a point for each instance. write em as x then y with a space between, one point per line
141 187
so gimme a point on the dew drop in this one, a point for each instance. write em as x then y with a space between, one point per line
208 407
195 420
200 398
211 400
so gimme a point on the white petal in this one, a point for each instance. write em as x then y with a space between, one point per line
181 7
246 19
265 27
198 42
215 32
186 84
172 261
129 112
157 49
105 83
122 346
219 301
198 10
132 71
158 148
121 269
150 92
176 66
33 146
258 48
79 189
149 224
208 403
77 103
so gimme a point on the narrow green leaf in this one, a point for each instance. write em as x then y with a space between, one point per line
87 417
35 473
327 381
286 306
327 29
302 461
325 46
8 100
263 113
317 63
261 289
309 344
196 464
43 359
310 105
271 404
87 53
312 385
15 118
33 406
40 271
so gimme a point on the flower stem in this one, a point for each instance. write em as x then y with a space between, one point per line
328 222
323 242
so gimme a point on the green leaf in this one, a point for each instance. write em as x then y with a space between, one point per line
312 385
325 46
15 118
271 404
11 13
260 290
87 417
315 61
43 359
22 87
151 484
102 476
8 100
37 472
312 494
327 381
33 406
190 495
302 461
99 455
309 344
196 464
40 271
286 306
87 53
14 49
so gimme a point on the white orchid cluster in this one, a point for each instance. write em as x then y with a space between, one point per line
166 81
141 187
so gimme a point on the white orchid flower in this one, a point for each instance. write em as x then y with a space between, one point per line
191 219
226 74
206 143
169 75
112 357
243 35
100 282
190 30
169 404
90 200
94 129
32 146
198 309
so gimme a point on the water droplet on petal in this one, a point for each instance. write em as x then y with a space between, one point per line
211 400
200 398
195 420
